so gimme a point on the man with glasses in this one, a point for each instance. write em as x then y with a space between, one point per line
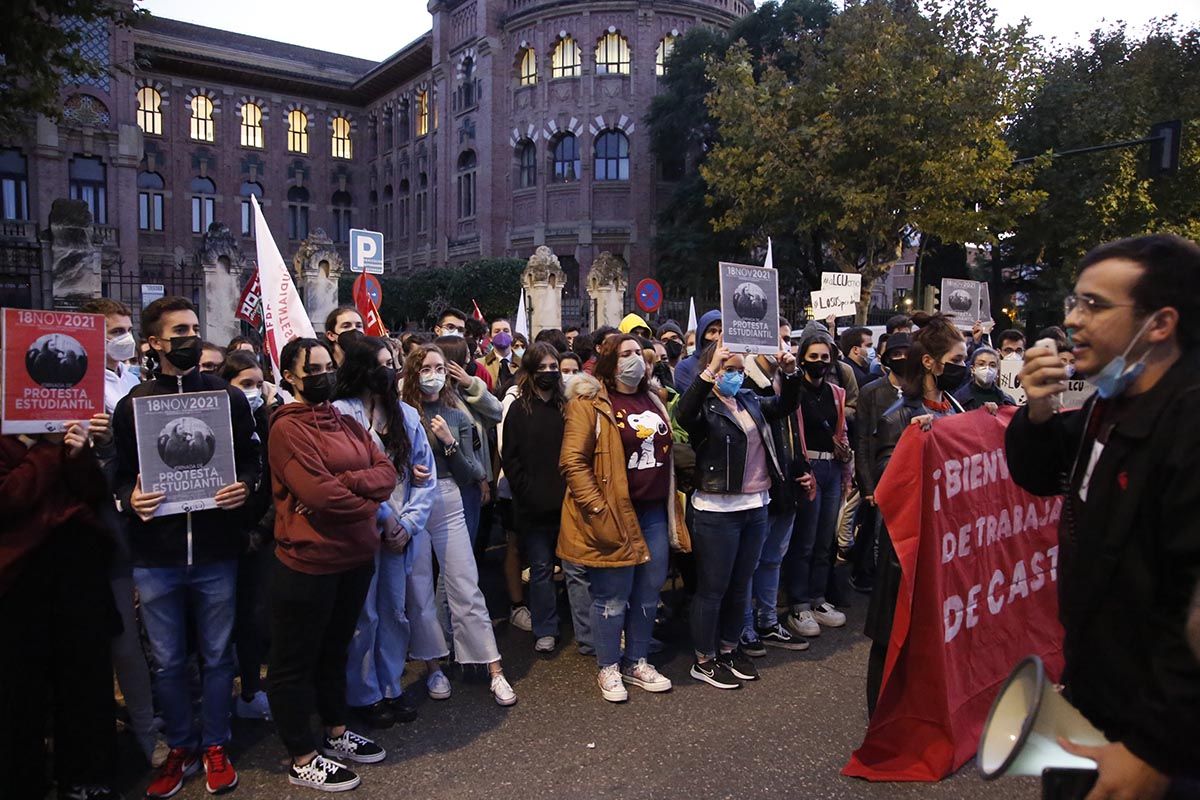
1129 541
1012 344
452 322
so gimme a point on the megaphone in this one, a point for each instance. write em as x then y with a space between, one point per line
1023 727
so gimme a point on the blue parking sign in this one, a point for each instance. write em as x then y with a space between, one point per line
366 251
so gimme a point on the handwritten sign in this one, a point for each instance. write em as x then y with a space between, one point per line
1009 381
826 304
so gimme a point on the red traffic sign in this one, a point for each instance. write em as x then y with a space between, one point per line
374 290
649 295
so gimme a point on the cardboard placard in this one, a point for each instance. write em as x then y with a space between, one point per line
53 369
960 301
842 284
185 448
1009 381
749 308
827 304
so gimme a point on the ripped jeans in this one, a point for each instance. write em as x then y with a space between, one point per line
636 588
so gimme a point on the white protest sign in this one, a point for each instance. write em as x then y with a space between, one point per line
829 304
1009 381
842 284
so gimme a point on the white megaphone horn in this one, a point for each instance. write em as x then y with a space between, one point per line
1025 723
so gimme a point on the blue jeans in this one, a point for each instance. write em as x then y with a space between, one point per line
764 589
166 593
472 500
636 588
579 595
727 546
538 541
809 558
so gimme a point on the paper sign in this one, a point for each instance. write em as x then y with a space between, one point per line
1009 381
960 301
826 304
842 284
185 448
749 308
53 369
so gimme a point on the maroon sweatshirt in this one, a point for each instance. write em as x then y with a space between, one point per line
325 461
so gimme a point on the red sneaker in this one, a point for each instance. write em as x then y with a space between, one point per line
180 763
221 775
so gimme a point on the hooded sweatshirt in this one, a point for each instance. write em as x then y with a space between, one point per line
326 461
669 326
632 322
688 368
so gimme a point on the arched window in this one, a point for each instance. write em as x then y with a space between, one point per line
204 200
422 113
565 61
150 201
612 156
612 55
665 48
149 116
252 131
527 71
566 159
297 132
297 198
526 164
341 202
342 147
404 202
422 203
466 184
249 189
466 96
202 120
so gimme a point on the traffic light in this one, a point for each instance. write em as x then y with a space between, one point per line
1164 147
932 299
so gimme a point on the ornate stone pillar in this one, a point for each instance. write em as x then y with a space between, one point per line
606 285
317 270
74 256
543 280
222 262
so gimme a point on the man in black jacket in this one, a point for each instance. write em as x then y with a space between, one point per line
1129 464
187 559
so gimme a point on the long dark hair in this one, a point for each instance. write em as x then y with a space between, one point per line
605 370
236 362
935 337
357 375
530 363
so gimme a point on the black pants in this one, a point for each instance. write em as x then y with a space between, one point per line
252 622
58 619
312 622
875 662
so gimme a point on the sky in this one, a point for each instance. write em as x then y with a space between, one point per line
375 29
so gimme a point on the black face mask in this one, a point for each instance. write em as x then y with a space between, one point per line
380 379
546 380
894 364
816 370
674 348
185 352
318 388
952 377
347 338
662 373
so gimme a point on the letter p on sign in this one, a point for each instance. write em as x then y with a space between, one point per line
366 251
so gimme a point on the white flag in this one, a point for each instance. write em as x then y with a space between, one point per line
521 325
692 315
284 317
769 261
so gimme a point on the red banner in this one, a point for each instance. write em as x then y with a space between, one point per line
250 304
372 322
979 557
53 369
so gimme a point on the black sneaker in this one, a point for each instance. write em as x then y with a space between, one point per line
353 747
377 716
98 792
403 708
752 647
714 673
324 775
862 585
779 636
737 663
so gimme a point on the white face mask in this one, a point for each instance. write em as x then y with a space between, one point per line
518 352
451 332
985 376
254 397
691 349
121 348
1014 357
568 378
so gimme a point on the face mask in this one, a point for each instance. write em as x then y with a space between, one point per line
347 338
1070 370
254 397
662 373
121 348
985 376
893 364
185 352
1014 357
871 354
730 383
136 370
631 370
518 353
380 379
317 388
502 341
432 384
674 349
545 380
816 370
568 378
456 334
951 377
691 349
1118 376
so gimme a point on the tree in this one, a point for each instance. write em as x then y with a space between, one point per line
40 52
890 123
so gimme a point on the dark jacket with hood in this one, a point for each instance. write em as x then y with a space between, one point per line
688 368
196 537
788 434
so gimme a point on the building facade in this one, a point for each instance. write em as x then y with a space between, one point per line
510 125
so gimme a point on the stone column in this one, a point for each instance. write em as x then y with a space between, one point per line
606 285
222 262
74 256
543 280
317 270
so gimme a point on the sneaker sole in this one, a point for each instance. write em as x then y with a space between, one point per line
742 675
326 787
831 624
438 695
664 686
512 701
187 773
795 646
806 635
712 681
338 755
614 696
223 789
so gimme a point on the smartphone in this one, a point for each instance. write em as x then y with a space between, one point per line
1062 783
1052 346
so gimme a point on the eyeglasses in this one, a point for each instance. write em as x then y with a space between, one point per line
1088 305
432 371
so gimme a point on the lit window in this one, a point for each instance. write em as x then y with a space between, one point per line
149 116
249 189
150 201
466 184
14 185
341 216
566 159
252 132
297 198
297 132
665 48
203 203
341 138
202 119
612 55
88 181
526 164
422 113
612 156
528 72
565 61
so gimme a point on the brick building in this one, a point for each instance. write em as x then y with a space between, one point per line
511 124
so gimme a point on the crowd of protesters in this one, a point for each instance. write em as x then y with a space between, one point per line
371 473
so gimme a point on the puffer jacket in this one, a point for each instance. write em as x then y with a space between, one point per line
599 526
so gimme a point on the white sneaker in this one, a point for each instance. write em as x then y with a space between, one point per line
825 614
438 686
324 775
611 685
545 644
503 693
257 708
645 676
520 619
802 623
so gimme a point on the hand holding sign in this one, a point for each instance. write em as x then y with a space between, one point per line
231 496
145 504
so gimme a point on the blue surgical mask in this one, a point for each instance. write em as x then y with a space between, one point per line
1118 375
871 354
730 383
254 397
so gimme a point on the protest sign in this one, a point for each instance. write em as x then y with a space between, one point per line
185 448
826 304
749 308
978 593
846 285
1077 392
960 301
53 369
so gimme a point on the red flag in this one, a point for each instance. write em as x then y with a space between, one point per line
478 314
250 306
372 322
